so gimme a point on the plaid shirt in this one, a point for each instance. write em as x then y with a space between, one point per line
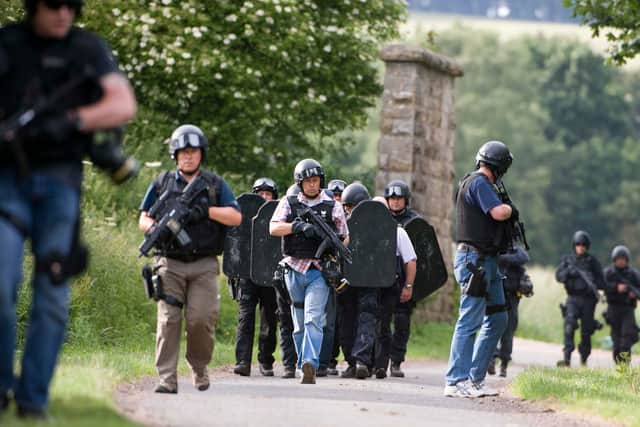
301 265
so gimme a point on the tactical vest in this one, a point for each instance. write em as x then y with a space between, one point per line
207 236
576 285
474 226
298 246
407 215
613 276
35 69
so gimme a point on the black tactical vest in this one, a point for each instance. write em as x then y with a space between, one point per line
613 276
296 245
407 215
474 226
207 236
36 68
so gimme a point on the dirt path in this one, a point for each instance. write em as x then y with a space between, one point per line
416 400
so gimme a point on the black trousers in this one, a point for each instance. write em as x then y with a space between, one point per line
401 330
358 308
287 346
505 345
624 330
249 296
388 300
580 312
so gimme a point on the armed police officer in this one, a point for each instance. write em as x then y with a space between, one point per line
480 215
357 308
511 265
188 272
249 296
389 299
41 176
304 278
331 332
582 276
398 196
623 291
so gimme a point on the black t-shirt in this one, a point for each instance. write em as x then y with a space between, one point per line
32 67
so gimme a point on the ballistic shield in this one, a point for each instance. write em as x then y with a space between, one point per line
265 248
431 272
237 243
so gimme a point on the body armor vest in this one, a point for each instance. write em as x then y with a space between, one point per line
298 246
473 226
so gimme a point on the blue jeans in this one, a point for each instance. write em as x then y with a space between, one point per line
308 322
329 331
48 210
469 357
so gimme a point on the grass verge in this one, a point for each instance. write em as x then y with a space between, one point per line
611 393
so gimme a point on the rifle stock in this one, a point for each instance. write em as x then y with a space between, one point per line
330 238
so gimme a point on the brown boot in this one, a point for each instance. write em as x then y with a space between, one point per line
201 380
503 368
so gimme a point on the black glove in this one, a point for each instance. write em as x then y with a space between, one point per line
55 128
572 271
310 231
198 212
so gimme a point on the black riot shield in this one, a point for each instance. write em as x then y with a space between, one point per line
431 272
372 240
265 248
237 243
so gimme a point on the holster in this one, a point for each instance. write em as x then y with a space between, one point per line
476 286
233 287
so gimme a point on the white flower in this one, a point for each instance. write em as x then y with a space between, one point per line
327 48
237 95
259 12
196 33
269 20
267 107
322 98
217 76
186 55
231 18
166 2
279 9
166 12
116 12
273 48
231 36
170 61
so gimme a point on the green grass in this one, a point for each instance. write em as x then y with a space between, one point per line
540 317
610 393
430 340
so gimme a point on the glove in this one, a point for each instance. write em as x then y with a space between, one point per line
56 128
309 231
198 212
572 271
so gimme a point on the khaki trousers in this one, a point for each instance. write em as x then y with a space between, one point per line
195 284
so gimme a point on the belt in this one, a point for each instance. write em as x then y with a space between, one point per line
467 247
187 258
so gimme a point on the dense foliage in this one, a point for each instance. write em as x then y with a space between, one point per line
571 123
619 20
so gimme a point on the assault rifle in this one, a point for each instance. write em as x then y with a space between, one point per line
174 214
330 239
631 289
514 227
592 286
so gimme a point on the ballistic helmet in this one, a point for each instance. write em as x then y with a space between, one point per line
187 136
354 193
620 251
266 184
496 156
30 6
306 169
582 238
293 190
398 188
336 186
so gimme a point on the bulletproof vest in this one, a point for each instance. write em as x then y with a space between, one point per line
207 236
577 285
407 215
613 276
474 226
37 67
513 275
298 246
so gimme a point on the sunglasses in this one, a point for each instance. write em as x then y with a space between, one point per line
57 4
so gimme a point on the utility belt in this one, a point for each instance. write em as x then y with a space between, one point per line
184 257
467 247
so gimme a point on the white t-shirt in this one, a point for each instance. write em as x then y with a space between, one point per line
404 247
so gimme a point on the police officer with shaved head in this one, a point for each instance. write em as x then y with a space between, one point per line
623 291
47 61
189 272
581 274
249 297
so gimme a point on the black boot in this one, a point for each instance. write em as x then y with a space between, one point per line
243 369
289 372
491 369
362 371
350 372
396 371
503 368
4 402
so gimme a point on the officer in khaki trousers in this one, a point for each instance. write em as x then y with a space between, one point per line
189 273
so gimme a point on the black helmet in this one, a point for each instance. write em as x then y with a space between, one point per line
496 156
266 184
187 136
620 251
354 193
293 190
398 188
306 169
336 186
582 238
31 5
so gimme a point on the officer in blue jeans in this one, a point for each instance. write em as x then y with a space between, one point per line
40 181
480 213
305 282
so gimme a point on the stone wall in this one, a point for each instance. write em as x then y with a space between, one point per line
417 144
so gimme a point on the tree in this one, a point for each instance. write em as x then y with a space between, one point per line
619 20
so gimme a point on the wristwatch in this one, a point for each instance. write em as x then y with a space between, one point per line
408 285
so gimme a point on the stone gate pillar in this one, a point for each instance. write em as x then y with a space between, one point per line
417 144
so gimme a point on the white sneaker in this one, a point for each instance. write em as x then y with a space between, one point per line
481 390
459 389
